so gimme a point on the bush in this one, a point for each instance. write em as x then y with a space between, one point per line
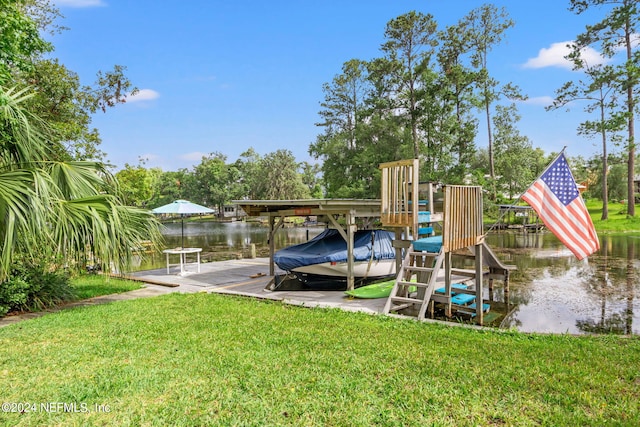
32 288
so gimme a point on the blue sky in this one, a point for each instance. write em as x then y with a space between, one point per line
224 76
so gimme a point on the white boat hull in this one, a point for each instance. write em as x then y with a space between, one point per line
361 269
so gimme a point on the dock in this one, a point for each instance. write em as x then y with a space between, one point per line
250 278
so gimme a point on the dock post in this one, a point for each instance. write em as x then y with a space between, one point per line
479 274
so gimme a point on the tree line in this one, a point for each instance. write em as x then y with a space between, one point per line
214 182
425 98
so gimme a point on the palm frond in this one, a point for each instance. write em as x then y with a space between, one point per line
78 178
100 229
22 137
51 207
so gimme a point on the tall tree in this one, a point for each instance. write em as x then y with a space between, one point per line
169 186
599 91
343 139
459 81
50 206
515 160
487 25
136 184
310 178
248 165
20 40
410 42
213 180
343 100
618 30
67 105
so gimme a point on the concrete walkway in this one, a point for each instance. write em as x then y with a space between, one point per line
247 277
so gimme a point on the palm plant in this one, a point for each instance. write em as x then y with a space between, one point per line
59 209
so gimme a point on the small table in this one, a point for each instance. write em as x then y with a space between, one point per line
183 257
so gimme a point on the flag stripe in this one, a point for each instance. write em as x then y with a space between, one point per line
554 196
571 224
560 223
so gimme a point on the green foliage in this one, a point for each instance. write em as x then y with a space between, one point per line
417 101
66 207
614 33
31 287
20 39
311 179
136 184
515 165
67 106
212 181
168 186
280 178
617 181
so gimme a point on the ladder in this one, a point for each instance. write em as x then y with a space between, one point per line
413 296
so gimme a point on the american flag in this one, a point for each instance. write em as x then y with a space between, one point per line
556 199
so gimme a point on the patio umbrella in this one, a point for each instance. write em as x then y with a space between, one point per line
182 208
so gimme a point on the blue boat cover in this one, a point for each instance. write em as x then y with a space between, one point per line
330 246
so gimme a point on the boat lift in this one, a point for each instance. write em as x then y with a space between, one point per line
351 210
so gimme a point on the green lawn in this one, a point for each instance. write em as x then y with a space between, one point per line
95 285
205 359
618 221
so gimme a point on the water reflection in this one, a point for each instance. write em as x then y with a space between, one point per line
554 292
551 291
226 240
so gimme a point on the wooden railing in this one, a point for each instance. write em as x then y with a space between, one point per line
462 226
400 194
462 212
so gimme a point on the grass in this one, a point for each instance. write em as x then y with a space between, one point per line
95 285
618 221
206 359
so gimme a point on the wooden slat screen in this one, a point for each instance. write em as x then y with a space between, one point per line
462 225
399 196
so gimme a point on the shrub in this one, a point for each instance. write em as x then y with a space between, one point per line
32 287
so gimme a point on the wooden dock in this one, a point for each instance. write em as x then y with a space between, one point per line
249 278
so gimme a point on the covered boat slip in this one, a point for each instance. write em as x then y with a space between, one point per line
425 274
366 211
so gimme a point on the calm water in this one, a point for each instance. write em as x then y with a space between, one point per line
554 292
550 292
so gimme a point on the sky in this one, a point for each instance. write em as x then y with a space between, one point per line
221 76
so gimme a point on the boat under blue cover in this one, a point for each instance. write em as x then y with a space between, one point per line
330 247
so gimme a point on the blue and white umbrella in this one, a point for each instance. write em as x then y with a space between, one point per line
182 208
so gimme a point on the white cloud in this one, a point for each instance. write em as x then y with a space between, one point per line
80 3
554 56
143 95
539 100
193 156
635 42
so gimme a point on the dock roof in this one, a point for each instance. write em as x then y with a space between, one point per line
302 207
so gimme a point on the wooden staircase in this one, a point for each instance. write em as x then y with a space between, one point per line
409 296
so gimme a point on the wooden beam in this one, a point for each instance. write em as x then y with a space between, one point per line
479 282
272 245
